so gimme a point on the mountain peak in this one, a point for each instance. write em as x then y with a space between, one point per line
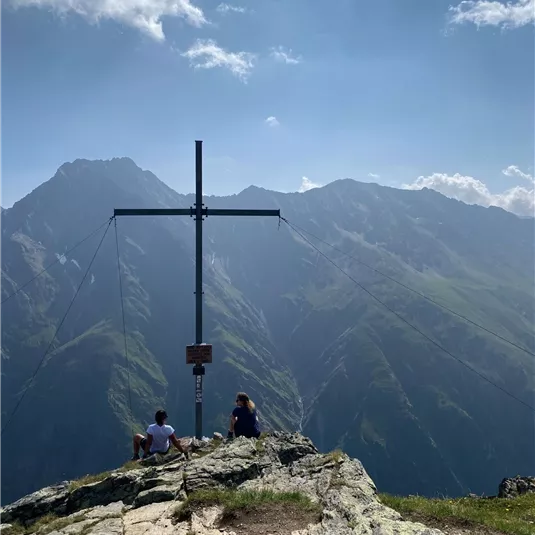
83 163
105 182
252 188
283 473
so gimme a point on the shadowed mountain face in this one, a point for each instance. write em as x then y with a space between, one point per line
313 350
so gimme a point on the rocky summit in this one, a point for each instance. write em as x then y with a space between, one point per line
149 498
511 487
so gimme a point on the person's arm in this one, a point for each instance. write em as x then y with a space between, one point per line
176 443
232 423
148 444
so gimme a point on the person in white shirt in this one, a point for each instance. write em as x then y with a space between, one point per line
158 439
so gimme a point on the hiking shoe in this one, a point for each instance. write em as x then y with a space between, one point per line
135 458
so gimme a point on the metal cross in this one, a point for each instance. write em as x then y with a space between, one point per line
199 353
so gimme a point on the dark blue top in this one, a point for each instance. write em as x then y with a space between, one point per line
247 423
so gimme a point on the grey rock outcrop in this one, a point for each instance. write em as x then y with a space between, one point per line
143 501
511 487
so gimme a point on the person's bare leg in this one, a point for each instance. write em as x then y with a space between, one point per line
137 443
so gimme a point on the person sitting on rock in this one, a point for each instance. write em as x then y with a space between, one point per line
159 436
244 420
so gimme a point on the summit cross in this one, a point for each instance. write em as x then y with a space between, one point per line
199 353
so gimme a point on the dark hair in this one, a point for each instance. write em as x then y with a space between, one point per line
160 416
244 398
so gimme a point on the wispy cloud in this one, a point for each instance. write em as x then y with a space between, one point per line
373 175
519 200
513 170
511 14
307 184
272 121
227 8
206 54
144 15
285 56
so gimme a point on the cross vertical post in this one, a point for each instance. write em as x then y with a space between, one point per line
198 369
199 353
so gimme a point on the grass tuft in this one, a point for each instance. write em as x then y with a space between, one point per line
512 516
233 501
14 529
48 523
51 522
260 443
336 455
96 478
130 465
88 480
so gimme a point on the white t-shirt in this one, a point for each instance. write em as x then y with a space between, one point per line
160 437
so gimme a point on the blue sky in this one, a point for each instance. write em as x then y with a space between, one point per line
412 93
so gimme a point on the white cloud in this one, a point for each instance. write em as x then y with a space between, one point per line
513 170
206 54
307 184
518 200
272 121
144 15
280 54
373 175
226 8
511 14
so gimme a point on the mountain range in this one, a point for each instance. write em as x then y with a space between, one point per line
313 349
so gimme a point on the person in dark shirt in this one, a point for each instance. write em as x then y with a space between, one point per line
244 420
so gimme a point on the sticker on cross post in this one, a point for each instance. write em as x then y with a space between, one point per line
198 389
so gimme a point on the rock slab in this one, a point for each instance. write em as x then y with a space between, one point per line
143 501
511 487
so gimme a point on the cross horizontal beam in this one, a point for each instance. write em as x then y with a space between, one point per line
153 211
230 211
206 212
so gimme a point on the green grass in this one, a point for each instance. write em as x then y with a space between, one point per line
95 478
129 465
15 529
336 480
234 500
336 455
44 525
260 446
512 516
50 523
47 521
87 480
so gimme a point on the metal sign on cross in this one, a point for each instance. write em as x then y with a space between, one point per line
199 353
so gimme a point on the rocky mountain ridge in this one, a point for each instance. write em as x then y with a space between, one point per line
144 500
314 351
